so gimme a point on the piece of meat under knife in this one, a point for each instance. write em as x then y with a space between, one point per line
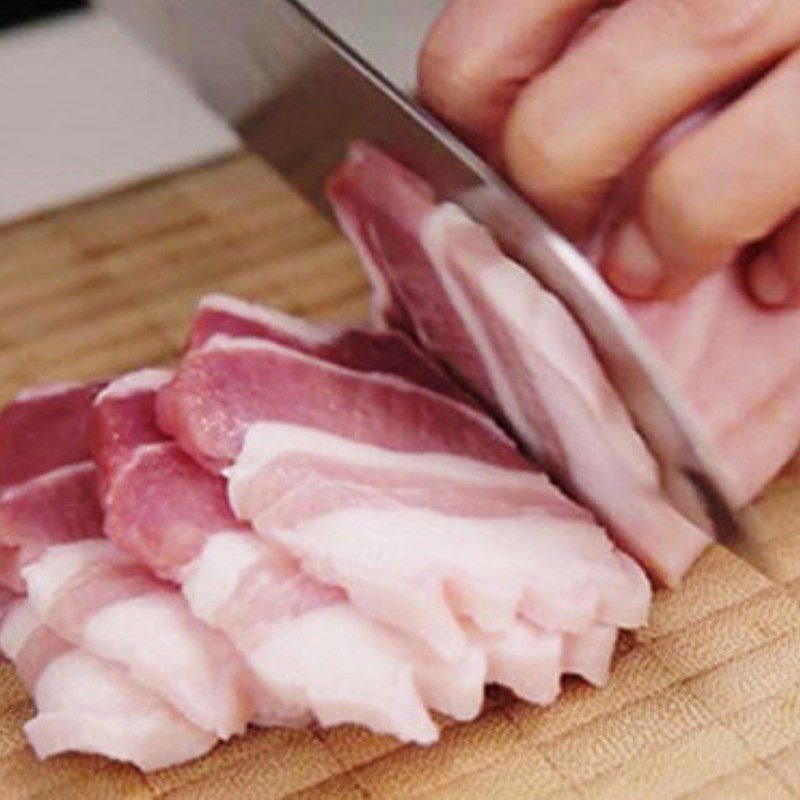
516 346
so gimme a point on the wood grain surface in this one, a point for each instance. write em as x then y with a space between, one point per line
705 703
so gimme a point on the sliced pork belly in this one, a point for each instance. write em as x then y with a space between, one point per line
160 504
420 571
185 505
43 429
739 365
99 599
589 654
288 473
120 422
362 349
309 645
57 507
85 704
231 383
517 346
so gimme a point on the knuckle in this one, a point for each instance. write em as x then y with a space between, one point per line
721 23
447 82
681 208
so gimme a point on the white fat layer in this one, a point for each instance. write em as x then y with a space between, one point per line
47 576
269 441
139 382
88 705
17 627
526 659
435 232
345 671
308 332
166 650
212 579
418 570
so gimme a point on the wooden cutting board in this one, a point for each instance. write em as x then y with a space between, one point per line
705 703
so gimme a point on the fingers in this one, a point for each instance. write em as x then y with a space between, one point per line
774 275
581 123
725 186
480 53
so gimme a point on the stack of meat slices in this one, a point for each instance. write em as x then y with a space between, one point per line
301 524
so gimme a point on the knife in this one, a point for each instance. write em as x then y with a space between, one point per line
300 95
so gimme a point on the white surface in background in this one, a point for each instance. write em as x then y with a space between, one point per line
86 108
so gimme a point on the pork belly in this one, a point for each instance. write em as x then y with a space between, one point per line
362 349
420 570
288 625
230 383
89 705
514 344
739 366
57 507
287 473
43 429
100 600
272 606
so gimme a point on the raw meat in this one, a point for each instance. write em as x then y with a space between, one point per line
119 422
100 600
288 625
86 704
362 349
283 471
269 606
57 507
739 365
229 384
43 429
515 344
420 571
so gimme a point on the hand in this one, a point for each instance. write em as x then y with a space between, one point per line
568 100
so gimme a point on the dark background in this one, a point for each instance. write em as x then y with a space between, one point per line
14 12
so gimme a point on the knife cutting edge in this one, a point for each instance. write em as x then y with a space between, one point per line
307 95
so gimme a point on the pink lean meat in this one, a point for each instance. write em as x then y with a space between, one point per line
231 383
44 428
57 507
89 705
390 352
516 345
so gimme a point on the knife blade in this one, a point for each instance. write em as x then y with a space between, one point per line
303 95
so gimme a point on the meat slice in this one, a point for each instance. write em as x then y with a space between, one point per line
57 507
422 571
100 600
361 349
119 422
309 645
85 704
43 429
288 473
273 597
739 366
518 347
160 504
229 384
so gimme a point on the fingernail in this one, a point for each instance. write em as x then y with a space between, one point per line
768 283
632 265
